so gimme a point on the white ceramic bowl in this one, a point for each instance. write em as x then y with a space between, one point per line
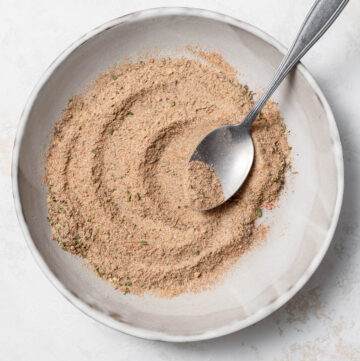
301 227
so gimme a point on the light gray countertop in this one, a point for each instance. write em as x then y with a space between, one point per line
322 322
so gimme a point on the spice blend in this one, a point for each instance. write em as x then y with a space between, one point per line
202 187
115 173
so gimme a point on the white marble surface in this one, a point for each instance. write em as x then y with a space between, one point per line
322 322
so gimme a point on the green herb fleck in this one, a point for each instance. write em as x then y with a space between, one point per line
112 131
259 212
101 271
144 243
197 253
186 206
126 291
172 103
276 180
114 76
128 196
154 160
168 171
89 219
95 150
129 112
128 283
79 242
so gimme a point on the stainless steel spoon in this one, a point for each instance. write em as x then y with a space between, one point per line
229 150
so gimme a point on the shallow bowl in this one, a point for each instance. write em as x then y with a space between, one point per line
301 227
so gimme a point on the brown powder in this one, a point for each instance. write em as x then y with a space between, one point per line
115 171
202 187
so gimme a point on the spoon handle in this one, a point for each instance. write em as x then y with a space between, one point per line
320 17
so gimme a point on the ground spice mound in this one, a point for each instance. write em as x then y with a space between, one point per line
115 171
203 188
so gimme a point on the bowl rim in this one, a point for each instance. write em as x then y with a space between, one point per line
138 331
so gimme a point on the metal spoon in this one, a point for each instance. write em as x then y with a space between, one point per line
229 150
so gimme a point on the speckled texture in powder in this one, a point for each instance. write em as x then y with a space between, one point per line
203 188
115 171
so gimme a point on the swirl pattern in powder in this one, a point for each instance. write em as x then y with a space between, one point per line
115 174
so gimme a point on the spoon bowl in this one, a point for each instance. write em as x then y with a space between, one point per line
229 151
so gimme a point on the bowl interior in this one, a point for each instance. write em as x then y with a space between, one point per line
301 227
